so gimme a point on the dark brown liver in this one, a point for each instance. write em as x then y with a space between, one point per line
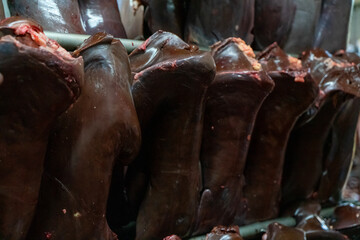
2 14
52 15
101 129
232 103
276 231
273 21
169 90
212 21
290 23
338 160
98 16
167 15
303 29
292 95
308 156
332 29
307 217
36 86
346 216
273 58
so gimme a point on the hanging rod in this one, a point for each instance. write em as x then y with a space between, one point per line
70 41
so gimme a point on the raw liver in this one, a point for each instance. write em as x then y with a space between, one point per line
101 129
2 14
98 15
209 21
53 15
171 78
276 231
167 15
333 25
37 85
273 21
346 216
293 93
338 160
232 103
290 23
307 217
306 157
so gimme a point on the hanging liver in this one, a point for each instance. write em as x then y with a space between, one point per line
39 80
100 130
212 21
232 104
53 15
333 25
171 78
276 231
293 93
273 21
167 15
306 154
98 16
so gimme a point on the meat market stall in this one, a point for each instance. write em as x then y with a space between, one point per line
160 119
